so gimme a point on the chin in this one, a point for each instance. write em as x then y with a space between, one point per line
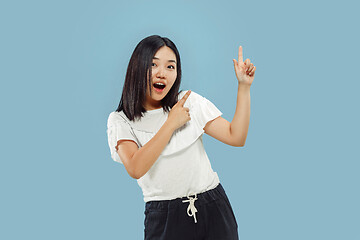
159 95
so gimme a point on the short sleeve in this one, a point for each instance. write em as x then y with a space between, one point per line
204 110
117 129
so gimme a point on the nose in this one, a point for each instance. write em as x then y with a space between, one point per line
160 73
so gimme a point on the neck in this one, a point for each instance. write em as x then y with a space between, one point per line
151 104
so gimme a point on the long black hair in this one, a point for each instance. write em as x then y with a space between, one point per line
134 90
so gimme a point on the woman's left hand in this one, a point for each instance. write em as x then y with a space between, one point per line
244 71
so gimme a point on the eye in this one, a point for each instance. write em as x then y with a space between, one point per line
152 64
172 66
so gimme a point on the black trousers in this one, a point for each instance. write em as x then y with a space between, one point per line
203 216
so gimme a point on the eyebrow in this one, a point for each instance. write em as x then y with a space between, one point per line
168 60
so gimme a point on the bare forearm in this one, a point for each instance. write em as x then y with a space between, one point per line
146 156
240 124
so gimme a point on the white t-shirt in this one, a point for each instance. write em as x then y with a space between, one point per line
183 167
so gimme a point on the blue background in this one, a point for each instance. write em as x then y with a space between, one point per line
63 65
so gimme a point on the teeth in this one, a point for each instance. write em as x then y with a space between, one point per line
160 84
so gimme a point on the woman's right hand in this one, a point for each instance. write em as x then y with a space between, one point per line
179 114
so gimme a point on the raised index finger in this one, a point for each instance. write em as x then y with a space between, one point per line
240 54
183 99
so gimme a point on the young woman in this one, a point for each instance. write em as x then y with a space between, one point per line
156 133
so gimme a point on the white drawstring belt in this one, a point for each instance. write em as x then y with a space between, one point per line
191 206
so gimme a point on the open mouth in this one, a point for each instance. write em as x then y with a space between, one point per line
159 86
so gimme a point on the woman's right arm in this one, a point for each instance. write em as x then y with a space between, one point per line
138 161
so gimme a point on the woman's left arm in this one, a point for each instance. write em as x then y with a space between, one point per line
240 124
235 133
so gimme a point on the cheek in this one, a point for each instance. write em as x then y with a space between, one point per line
171 83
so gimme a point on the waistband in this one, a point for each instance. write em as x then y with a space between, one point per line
200 198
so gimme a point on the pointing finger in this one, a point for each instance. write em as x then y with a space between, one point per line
183 99
240 55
